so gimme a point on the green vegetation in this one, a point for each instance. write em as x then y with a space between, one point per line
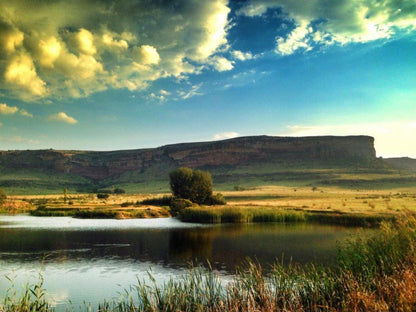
2 197
195 186
249 214
157 201
377 273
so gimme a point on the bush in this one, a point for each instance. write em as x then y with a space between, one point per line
157 201
178 204
119 191
195 186
217 199
2 197
103 195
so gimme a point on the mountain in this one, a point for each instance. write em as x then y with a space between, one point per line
404 163
239 161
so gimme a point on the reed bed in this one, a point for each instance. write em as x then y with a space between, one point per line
247 214
373 274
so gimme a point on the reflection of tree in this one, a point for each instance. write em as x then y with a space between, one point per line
191 244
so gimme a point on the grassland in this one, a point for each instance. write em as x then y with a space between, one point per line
373 274
260 204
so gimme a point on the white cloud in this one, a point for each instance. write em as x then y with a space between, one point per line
225 135
194 91
392 139
7 110
75 48
221 64
147 55
21 72
85 41
25 113
63 117
297 39
324 22
11 110
241 56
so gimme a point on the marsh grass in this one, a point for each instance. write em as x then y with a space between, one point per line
247 214
373 274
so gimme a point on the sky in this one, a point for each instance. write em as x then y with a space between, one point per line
127 74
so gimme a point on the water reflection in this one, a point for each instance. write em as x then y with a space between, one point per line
104 254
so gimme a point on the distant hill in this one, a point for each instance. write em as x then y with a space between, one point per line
404 163
238 162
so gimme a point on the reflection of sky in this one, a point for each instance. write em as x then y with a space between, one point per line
68 223
79 281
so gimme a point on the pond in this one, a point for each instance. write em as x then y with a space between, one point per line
95 260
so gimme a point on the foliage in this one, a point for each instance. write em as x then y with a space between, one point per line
179 204
157 201
103 195
195 186
2 197
119 191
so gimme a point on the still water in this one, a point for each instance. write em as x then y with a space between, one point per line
92 260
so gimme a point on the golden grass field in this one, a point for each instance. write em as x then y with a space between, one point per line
308 199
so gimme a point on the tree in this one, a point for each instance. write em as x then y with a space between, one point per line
195 186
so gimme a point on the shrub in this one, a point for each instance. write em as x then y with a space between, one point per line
103 195
119 191
127 204
2 197
178 204
217 199
195 186
157 201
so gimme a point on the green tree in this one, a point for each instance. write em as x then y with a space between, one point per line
195 186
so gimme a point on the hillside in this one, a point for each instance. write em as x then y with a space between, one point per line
404 163
239 162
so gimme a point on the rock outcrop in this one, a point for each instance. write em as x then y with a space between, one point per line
98 166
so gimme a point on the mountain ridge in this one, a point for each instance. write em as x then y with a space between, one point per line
235 160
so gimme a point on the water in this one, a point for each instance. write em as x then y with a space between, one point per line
93 260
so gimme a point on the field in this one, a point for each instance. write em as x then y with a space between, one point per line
259 204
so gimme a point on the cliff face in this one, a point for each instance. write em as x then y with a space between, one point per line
239 151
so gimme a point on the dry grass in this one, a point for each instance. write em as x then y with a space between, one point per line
326 199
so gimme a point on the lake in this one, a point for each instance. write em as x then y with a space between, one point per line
92 260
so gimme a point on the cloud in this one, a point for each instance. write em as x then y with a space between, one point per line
194 91
21 73
297 39
11 110
147 54
225 135
7 110
75 48
19 140
241 56
221 64
392 139
25 113
321 22
63 117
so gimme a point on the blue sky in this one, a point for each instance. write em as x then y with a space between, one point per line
130 74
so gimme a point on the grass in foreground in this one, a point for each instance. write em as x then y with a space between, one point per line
375 274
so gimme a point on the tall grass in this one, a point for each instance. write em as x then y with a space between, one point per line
239 215
373 274
247 214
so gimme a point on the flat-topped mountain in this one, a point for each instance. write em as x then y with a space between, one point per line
255 155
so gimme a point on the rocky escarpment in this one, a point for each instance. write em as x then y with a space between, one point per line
98 166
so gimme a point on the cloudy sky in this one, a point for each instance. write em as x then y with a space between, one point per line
107 74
